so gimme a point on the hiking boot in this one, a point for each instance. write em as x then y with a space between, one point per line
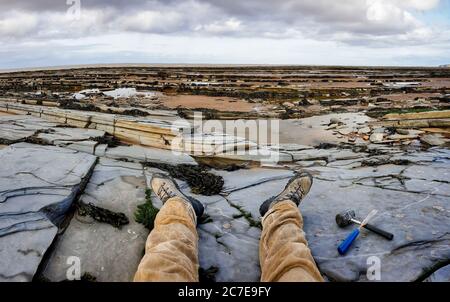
296 189
165 188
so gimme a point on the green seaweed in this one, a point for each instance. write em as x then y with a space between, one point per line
146 212
248 216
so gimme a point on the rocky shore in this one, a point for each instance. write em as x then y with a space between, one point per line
44 188
78 149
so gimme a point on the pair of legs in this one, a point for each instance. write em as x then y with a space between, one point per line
171 252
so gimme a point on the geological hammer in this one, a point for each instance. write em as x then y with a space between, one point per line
346 218
345 245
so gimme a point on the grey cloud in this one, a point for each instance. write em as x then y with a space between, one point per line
33 6
314 19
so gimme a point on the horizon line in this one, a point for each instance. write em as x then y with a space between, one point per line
211 65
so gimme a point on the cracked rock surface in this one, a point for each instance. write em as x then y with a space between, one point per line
106 252
14 128
37 186
412 201
409 187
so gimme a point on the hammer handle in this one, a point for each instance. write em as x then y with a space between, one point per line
345 245
387 235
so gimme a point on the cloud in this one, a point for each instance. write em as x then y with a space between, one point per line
18 24
372 24
418 4
224 17
152 22
222 27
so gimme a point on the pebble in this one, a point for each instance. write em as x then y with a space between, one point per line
376 137
335 120
227 226
364 130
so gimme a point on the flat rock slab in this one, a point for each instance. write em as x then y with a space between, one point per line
409 189
227 242
17 128
418 221
434 139
146 154
37 186
244 178
329 155
230 242
14 128
412 201
104 251
63 136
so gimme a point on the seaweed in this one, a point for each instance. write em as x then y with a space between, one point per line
85 278
146 213
247 215
109 140
208 275
205 219
199 179
117 220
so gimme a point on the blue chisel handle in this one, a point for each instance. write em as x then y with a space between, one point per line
345 245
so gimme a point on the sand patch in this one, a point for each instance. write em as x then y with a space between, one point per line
208 102
438 83
408 96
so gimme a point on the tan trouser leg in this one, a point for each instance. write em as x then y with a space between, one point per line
283 249
171 251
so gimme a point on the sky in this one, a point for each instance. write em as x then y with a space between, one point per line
299 32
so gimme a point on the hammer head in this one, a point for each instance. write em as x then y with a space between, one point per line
345 218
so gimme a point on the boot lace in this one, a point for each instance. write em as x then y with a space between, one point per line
164 193
297 194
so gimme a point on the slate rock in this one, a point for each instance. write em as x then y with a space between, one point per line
14 128
418 216
38 184
143 154
376 137
434 139
331 154
106 252
63 136
441 275
364 130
